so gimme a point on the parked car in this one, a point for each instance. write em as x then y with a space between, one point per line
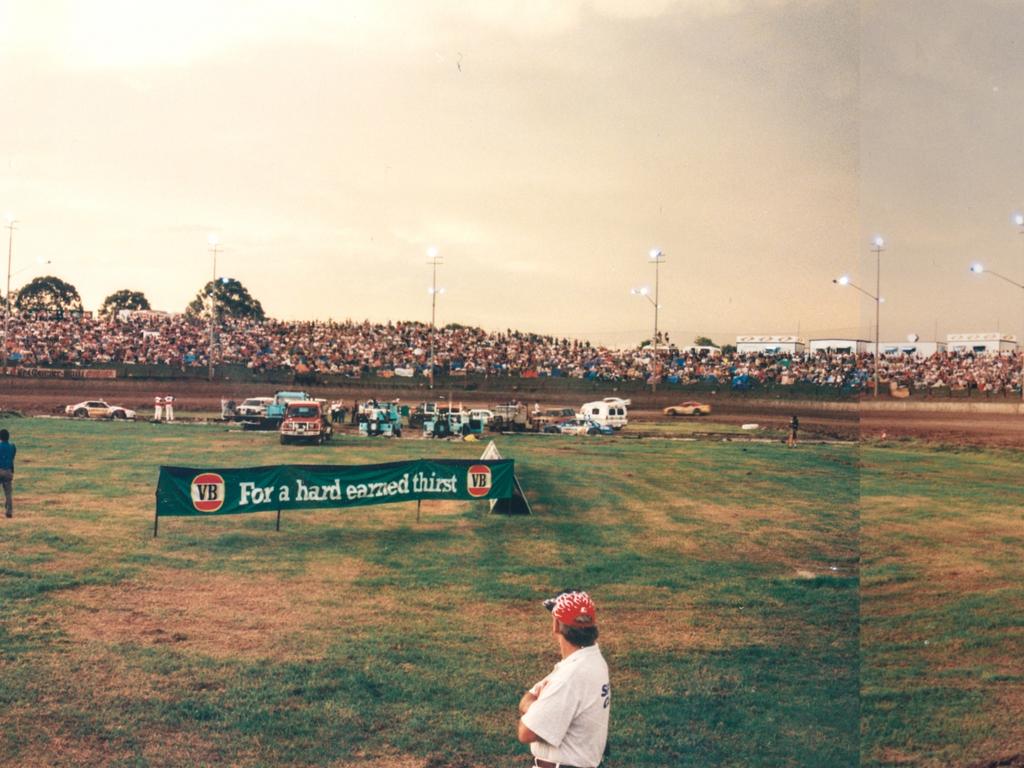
98 409
689 408
583 427
305 420
254 406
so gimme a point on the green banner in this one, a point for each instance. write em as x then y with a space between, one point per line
193 491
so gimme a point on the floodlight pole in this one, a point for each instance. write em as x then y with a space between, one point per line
877 246
433 259
7 313
977 269
657 257
845 281
1019 221
214 249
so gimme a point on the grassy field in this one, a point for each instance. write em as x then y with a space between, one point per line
942 625
725 574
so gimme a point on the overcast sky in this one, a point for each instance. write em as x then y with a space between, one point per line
543 147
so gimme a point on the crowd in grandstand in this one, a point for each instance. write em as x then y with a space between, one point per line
358 349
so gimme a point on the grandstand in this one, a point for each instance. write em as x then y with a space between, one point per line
351 349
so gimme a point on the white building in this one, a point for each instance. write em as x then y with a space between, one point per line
843 346
910 348
694 349
981 343
145 314
773 345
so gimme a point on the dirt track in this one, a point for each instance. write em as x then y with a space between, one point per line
43 396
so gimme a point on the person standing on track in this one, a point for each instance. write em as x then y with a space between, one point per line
158 408
7 451
169 408
794 426
564 717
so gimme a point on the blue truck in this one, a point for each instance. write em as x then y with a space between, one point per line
275 411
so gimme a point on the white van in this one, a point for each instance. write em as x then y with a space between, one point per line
610 412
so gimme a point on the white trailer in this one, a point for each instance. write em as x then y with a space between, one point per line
771 345
981 343
609 412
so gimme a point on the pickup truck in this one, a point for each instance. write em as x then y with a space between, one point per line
305 421
272 412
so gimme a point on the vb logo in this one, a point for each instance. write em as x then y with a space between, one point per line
208 492
478 480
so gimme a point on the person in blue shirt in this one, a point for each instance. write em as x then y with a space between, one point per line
7 451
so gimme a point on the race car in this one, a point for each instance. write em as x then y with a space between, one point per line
98 409
580 427
689 408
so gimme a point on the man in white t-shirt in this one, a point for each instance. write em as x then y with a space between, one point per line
565 715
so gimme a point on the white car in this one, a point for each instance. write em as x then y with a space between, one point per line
98 409
254 406
580 427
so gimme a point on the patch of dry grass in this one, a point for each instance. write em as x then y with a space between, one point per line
224 616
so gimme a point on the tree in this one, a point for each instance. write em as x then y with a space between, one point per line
703 341
48 294
233 299
123 299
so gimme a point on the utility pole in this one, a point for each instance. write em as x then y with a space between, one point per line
877 245
433 259
214 249
11 221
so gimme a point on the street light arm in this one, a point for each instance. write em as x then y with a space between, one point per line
646 293
17 272
1004 277
857 287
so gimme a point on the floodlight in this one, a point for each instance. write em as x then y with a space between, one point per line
1018 219
432 252
212 239
977 269
878 241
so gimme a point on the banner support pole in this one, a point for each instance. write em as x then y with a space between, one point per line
156 521
418 503
278 526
